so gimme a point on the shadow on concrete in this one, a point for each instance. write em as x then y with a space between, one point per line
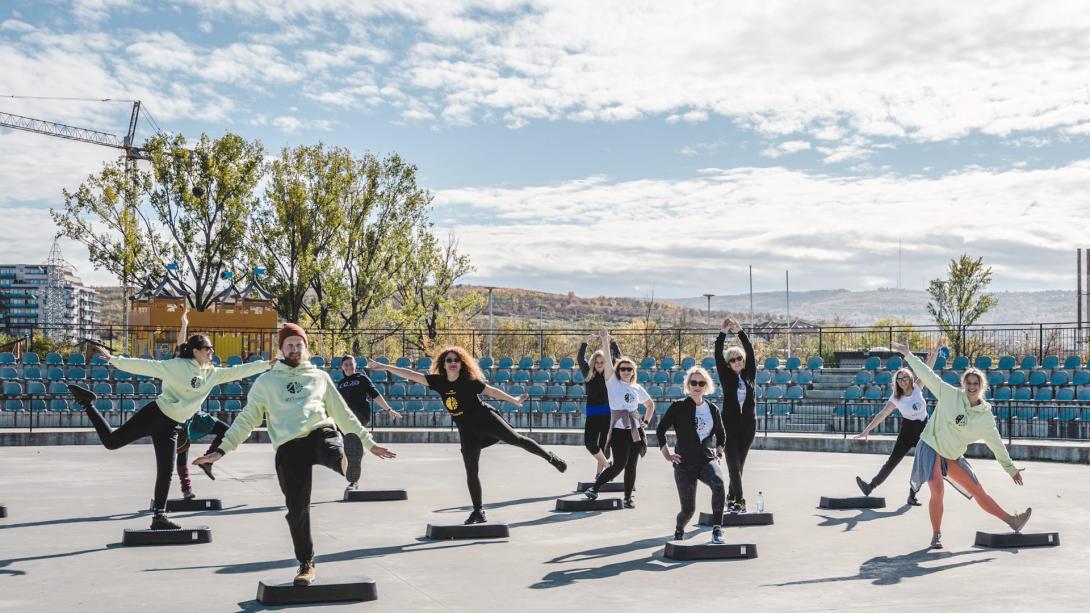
500 505
654 562
850 523
890 570
555 517
254 605
77 520
4 564
235 510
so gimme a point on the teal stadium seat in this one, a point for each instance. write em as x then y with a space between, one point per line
503 376
1002 393
764 377
688 363
895 362
883 377
815 363
1006 362
1080 377
983 362
996 378
567 363
52 358
863 377
521 376
1043 394
961 362
793 363
1038 377
32 373
661 377
804 377
708 363
562 376
485 362
526 362
772 363
506 363
873 363
1023 393
1017 377
795 392
1060 377
951 377
853 392
1029 362
541 376
1072 362
1065 394
1051 362
31 358
7 357
232 405
547 362
667 363
76 359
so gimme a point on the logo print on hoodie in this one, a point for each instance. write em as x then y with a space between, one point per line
195 382
960 420
295 387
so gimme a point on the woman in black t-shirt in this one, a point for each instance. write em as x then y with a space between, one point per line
457 378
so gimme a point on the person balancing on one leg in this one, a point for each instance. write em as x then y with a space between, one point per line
303 411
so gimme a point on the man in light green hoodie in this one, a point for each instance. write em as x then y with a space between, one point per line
301 405
961 417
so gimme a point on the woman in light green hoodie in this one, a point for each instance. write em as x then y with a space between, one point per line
961 417
187 381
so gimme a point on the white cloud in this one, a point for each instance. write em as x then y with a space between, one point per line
786 147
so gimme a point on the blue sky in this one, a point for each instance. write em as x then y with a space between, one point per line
612 147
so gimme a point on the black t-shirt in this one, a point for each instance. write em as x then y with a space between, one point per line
459 397
357 391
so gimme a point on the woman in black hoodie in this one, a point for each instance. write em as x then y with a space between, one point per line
596 420
696 422
737 368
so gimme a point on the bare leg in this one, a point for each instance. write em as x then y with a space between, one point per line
982 498
934 506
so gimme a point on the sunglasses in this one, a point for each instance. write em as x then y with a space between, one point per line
452 361
697 383
208 347
736 358
625 369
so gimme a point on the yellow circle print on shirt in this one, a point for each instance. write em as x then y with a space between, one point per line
452 403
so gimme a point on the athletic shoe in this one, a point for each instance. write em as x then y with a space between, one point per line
558 463
936 541
161 522
679 535
188 495
305 576
864 486
476 517
352 487
717 536
590 493
207 468
912 498
629 503
353 456
740 506
1019 521
83 396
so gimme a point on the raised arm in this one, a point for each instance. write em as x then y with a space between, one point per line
884 413
750 370
184 329
404 373
721 366
581 358
614 350
932 357
930 380
608 371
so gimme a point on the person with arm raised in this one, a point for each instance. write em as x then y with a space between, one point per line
737 369
596 418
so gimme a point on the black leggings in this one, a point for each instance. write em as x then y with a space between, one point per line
595 430
739 439
907 439
476 434
686 479
148 421
626 455
294 459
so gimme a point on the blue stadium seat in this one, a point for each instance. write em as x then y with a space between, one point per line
795 392
232 405
772 363
7 357
1060 377
1065 394
951 377
147 389
708 363
120 375
874 392
433 406
104 404
232 389
337 375
576 391
577 376
521 376
1072 362
774 392
764 377
234 360
36 388
102 389
688 363
567 363
1080 377
380 376
516 390
76 359
526 362
58 405
983 362
397 390
12 388
31 358
562 376
643 377
125 389
661 377
1043 393
547 362
403 362
537 391
895 362
759 391
853 392
654 391
1069 413
53 357
667 363
1025 412
782 377
940 363
804 377
647 362
1038 377
873 363
76 374
675 391
13 406
556 391
793 363
506 363
1023 393
415 390
503 376
548 406
863 377
413 406
32 373
678 377
1017 377
485 362
1007 362
1047 413
100 374
815 362
996 378
883 377
1051 362
54 374
541 376
1029 362
570 407
8 373
961 362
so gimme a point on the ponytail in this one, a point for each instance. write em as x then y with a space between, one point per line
185 350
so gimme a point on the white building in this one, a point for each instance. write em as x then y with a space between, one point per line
31 303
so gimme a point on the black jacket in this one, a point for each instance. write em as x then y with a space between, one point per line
728 381
596 387
694 452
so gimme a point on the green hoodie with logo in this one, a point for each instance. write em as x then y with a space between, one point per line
955 424
185 382
294 401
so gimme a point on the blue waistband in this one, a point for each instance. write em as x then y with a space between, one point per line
597 409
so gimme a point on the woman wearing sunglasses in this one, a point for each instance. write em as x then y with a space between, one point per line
596 420
626 440
737 368
907 397
700 440
962 416
187 380
458 379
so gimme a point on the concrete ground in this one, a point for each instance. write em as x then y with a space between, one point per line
67 507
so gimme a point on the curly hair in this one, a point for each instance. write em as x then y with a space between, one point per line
470 370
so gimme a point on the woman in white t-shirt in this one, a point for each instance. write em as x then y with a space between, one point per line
627 440
907 397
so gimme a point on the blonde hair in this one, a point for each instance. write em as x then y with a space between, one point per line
979 376
703 372
622 360
734 351
897 386
591 373
470 368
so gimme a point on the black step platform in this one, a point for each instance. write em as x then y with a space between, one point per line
612 486
472 531
186 536
586 504
1015 539
196 504
3 511
686 550
333 589
738 519
374 495
853 502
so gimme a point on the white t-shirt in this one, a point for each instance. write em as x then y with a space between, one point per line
741 392
704 422
912 407
625 397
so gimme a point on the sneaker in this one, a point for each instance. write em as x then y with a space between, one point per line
629 503
352 487
83 396
740 506
1019 520
864 486
936 541
717 536
557 462
912 498
679 535
159 521
207 468
352 460
305 576
476 517
188 495
590 493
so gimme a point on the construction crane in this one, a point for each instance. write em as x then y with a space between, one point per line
84 135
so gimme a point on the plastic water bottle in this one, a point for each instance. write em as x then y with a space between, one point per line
760 501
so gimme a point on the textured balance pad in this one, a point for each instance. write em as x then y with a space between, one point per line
196 504
1015 539
472 531
374 495
333 589
683 550
187 536
586 504
738 519
853 502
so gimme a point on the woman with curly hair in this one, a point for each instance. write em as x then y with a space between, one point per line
457 378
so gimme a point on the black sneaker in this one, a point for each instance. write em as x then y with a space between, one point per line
207 468
476 517
590 493
740 506
912 498
353 450
679 535
161 522
83 396
629 503
717 536
557 462
864 486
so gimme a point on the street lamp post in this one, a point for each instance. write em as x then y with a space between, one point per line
490 320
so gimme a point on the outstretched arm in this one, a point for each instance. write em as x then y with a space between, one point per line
498 394
884 413
608 371
404 373
584 367
930 380
184 329
932 357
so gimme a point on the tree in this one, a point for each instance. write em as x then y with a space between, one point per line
190 209
423 292
959 300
